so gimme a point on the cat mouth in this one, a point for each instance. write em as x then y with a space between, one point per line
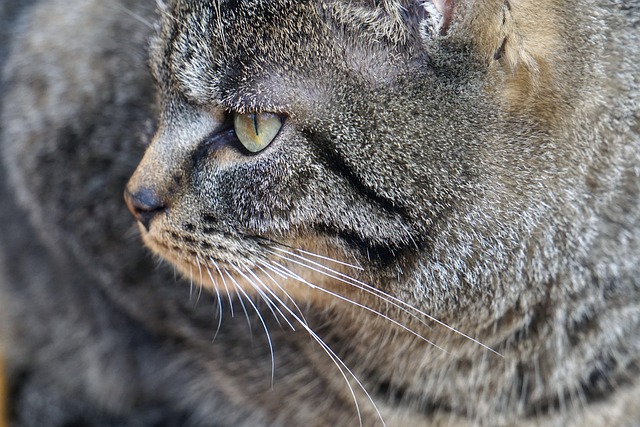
257 266
185 251
250 265
283 277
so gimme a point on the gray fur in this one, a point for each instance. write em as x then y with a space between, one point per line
484 171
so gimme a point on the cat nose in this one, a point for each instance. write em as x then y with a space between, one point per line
144 204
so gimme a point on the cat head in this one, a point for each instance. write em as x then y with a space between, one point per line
404 137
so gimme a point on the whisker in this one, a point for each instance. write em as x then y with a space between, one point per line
275 282
270 304
357 304
200 287
326 258
224 283
342 367
134 15
219 298
235 285
266 297
175 273
349 281
387 297
160 4
190 281
200 282
264 325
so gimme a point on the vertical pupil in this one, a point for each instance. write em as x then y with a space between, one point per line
255 124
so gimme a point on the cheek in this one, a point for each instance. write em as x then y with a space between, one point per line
262 195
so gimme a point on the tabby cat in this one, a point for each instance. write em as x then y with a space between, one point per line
362 212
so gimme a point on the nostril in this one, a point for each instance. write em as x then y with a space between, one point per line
144 204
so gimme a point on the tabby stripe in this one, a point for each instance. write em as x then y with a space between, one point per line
324 150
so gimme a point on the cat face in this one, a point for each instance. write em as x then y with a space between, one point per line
349 131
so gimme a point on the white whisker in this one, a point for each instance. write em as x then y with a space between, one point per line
200 282
264 325
244 308
357 304
353 282
267 300
224 283
219 298
275 282
136 16
342 367
266 297
387 297
326 258
190 281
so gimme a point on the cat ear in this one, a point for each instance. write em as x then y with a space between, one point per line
437 15
484 24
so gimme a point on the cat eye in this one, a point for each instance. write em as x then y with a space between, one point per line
256 130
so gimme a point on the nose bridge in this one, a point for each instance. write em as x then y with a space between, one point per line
166 164
163 165
158 169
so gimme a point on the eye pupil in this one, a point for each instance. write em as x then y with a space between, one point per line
255 124
256 131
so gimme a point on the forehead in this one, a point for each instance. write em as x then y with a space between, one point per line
238 23
208 47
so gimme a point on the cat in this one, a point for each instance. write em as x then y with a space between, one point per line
360 212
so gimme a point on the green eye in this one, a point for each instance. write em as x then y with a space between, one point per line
256 130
